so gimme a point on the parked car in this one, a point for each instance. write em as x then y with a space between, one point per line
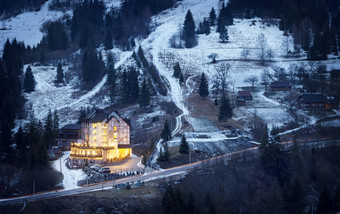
106 170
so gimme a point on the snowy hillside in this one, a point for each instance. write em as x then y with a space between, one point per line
25 27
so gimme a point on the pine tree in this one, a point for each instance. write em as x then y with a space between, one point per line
325 202
57 38
108 41
337 198
296 200
206 27
133 85
48 130
224 37
189 35
226 112
181 78
125 87
29 82
42 57
166 132
212 17
5 142
21 147
203 88
55 125
60 73
142 58
166 152
82 114
177 70
144 97
112 77
184 147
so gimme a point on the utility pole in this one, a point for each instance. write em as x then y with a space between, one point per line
102 181
33 188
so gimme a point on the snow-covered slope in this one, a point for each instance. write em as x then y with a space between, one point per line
25 27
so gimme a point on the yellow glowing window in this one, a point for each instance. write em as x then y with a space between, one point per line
115 135
94 138
94 132
115 128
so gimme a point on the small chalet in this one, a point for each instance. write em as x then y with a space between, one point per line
245 94
69 134
280 86
313 101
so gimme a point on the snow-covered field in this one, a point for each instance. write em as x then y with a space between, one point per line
25 27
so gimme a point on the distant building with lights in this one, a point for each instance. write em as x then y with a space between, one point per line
105 138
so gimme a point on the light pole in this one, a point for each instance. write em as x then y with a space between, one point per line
102 181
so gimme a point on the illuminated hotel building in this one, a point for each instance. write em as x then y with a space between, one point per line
105 138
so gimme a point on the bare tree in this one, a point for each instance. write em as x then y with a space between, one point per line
270 54
285 44
262 47
213 57
265 80
252 80
245 53
222 72
292 70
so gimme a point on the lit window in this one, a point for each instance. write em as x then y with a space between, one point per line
115 135
115 128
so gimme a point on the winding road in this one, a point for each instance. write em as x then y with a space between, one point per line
110 184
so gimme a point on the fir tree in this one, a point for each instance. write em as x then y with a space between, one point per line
29 82
166 132
325 202
5 142
206 26
189 35
184 147
224 37
57 38
181 78
296 201
55 125
177 70
142 58
48 130
226 112
112 77
337 198
42 57
21 146
82 114
144 97
166 152
212 17
203 88
108 41
60 73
